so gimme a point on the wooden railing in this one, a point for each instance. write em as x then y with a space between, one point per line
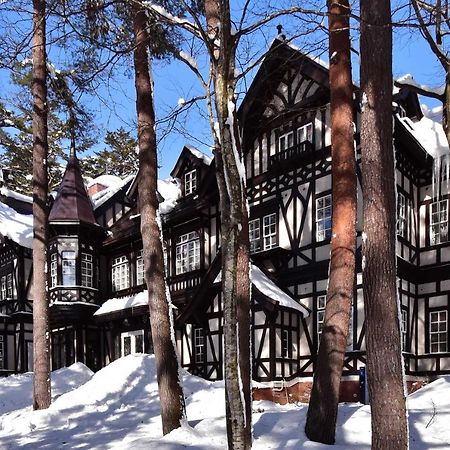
292 153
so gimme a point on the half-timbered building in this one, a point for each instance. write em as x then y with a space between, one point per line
96 275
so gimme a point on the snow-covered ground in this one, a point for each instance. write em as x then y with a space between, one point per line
118 408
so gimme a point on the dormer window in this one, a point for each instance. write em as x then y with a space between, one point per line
68 268
305 133
190 182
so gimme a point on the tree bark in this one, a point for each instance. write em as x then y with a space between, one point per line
323 406
161 320
234 230
41 347
384 359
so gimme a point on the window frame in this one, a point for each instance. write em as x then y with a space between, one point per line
9 286
321 304
440 341
286 343
69 269
187 253
324 219
120 270
270 231
432 235
190 182
140 271
284 138
402 215
199 345
54 269
255 241
404 329
87 270
309 129
3 287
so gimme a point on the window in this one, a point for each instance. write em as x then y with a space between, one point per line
305 133
254 235
140 269
199 346
3 287
2 352
402 215
187 253
286 141
190 182
438 222
68 268
86 270
53 270
404 329
120 273
132 342
438 331
286 344
270 231
9 285
323 218
321 303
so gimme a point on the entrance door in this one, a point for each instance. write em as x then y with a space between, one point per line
132 342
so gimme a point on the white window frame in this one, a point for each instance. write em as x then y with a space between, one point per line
120 273
438 331
402 215
305 133
190 182
9 285
69 267
324 214
140 273
286 343
199 346
53 269
2 352
439 222
133 338
3 287
187 253
270 226
87 270
320 318
286 141
254 231
404 328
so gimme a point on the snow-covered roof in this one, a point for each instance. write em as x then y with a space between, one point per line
170 191
268 288
206 159
18 227
106 180
118 304
15 195
101 197
429 134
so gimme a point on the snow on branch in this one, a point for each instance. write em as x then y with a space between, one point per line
408 81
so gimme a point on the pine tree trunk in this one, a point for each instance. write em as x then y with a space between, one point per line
234 232
323 406
384 359
41 347
161 321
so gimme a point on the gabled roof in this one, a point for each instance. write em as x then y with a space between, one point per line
190 153
72 204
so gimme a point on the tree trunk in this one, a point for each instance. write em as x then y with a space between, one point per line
161 321
384 359
323 406
41 347
234 232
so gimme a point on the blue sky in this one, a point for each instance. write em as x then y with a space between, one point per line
115 105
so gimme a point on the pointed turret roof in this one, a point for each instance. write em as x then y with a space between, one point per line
72 202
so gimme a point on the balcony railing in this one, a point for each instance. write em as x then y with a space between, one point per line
291 154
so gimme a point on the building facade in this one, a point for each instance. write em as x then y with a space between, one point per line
96 279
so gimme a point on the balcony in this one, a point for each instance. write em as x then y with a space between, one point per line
289 157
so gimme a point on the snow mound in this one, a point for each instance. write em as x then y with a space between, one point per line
170 191
106 180
101 197
18 227
120 303
200 155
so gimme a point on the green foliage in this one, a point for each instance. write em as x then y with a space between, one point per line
119 158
